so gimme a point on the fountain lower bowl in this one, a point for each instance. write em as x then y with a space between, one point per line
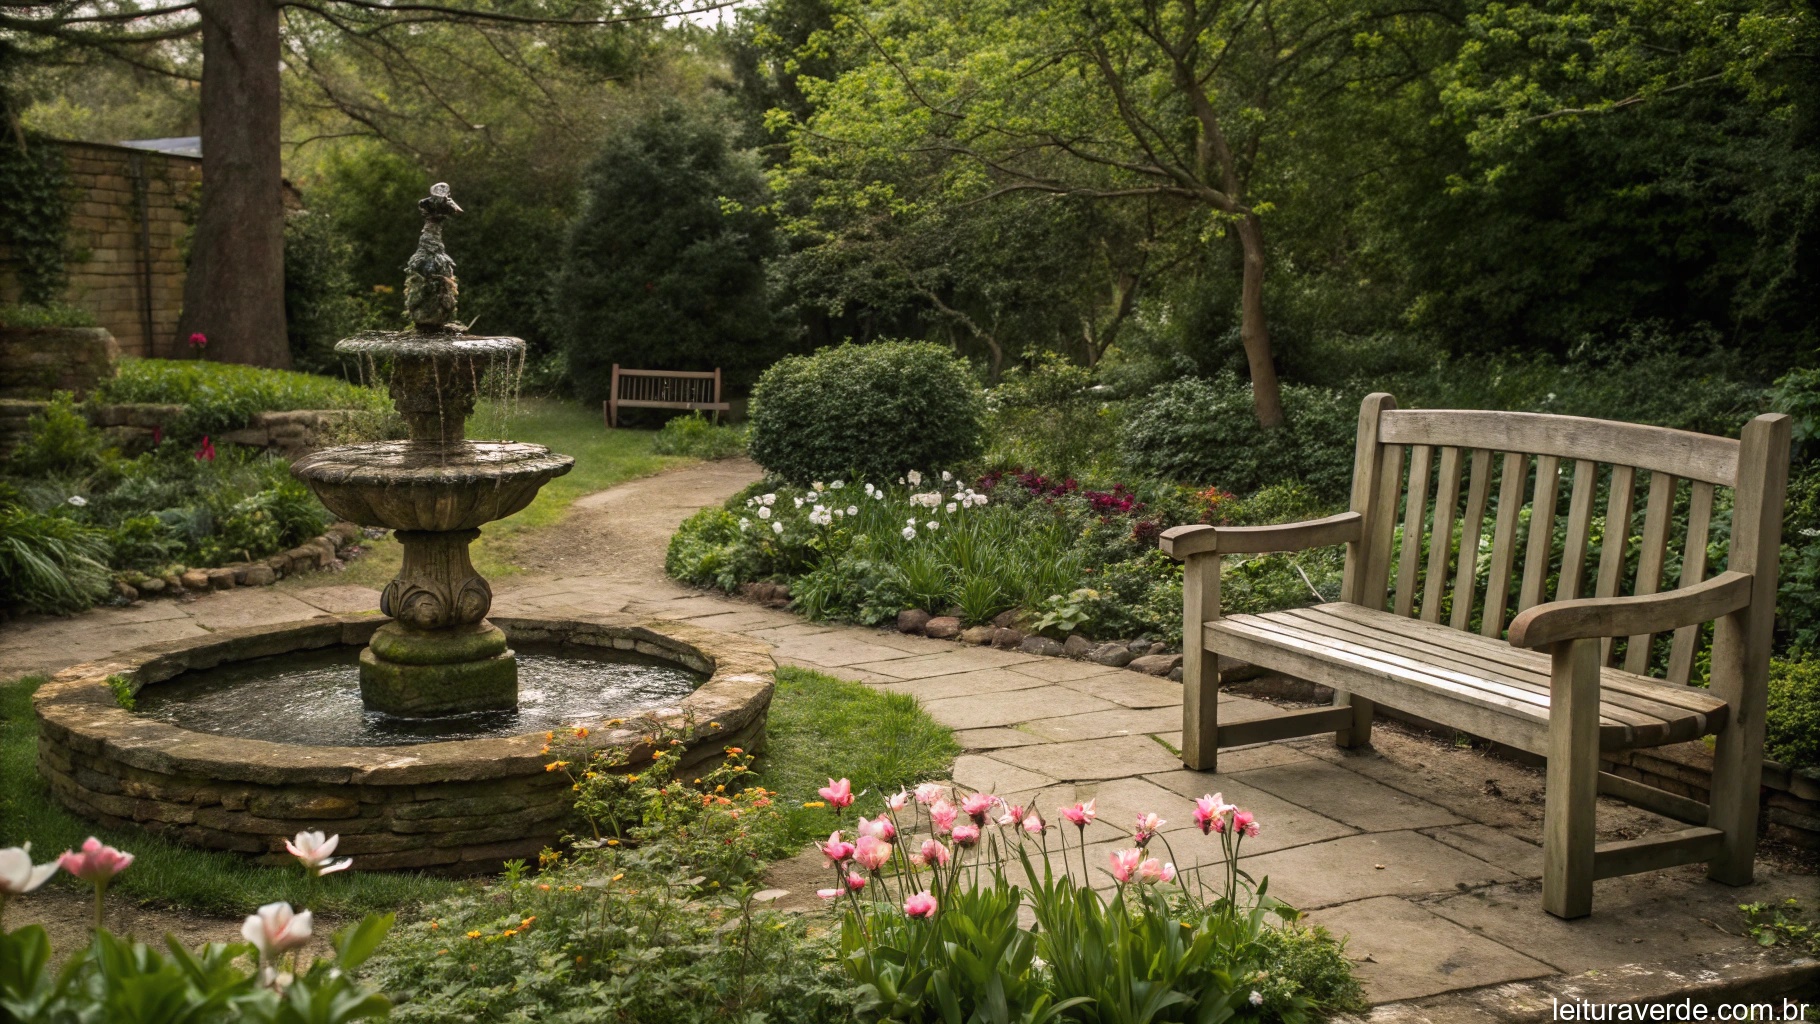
416 485
452 806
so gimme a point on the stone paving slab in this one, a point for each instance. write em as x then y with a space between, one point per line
1401 951
1348 797
1100 724
1058 670
837 650
991 680
942 663
993 738
253 606
1282 824
1114 757
342 599
990 775
1130 689
1493 846
988 709
1376 864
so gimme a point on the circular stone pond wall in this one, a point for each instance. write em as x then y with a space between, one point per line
448 806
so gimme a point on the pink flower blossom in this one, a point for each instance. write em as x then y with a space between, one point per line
96 863
838 794
1148 825
1033 823
828 894
1013 814
872 853
314 852
934 853
898 800
930 792
1125 863
977 805
836 849
1153 871
855 881
942 815
206 453
1242 821
920 906
1207 811
199 340
965 836
879 827
276 930
1080 814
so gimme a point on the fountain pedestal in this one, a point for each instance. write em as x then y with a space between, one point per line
438 655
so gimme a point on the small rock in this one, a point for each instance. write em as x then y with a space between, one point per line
943 627
1115 655
174 583
1008 619
977 634
126 590
1040 645
1156 664
912 620
259 576
151 585
1006 638
221 579
1077 646
1175 674
1140 646
195 579
240 572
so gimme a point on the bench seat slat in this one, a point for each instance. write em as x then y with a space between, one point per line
1527 673
1498 695
1688 698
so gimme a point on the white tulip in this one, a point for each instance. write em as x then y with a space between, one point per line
764 512
853 510
777 528
276 930
909 533
17 875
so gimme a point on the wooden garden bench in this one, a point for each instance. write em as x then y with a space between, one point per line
1438 647
663 389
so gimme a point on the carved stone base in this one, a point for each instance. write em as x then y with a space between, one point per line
437 586
425 673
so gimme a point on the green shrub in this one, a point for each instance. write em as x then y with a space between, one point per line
320 307
1052 419
1203 431
60 441
49 562
695 436
48 314
866 412
224 396
1792 723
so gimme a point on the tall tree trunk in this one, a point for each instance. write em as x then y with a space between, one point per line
1266 395
234 293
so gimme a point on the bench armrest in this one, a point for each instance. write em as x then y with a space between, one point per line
1548 624
1181 541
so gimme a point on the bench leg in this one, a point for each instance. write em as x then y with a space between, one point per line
1737 754
1358 734
1200 666
1570 819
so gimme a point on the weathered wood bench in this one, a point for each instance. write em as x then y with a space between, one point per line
663 389
1438 647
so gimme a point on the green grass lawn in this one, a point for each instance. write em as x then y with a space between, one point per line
820 727
603 458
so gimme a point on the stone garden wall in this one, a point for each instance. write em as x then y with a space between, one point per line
136 427
35 361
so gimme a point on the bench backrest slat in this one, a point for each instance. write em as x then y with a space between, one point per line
1554 489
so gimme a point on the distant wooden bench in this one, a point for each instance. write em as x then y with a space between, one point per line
1438 648
663 389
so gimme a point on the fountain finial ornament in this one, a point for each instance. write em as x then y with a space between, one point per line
429 275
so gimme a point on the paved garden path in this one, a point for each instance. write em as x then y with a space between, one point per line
1425 855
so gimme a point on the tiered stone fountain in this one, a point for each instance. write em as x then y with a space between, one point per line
422 752
439 655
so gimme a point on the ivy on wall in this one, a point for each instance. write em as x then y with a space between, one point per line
34 221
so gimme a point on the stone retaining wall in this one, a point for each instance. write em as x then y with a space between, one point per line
455 807
135 427
36 361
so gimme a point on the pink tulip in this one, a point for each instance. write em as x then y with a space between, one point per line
97 864
1207 814
1242 821
934 853
1148 825
1033 823
879 827
313 851
965 836
920 906
1125 863
855 881
199 340
930 792
836 849
898 800
828 894
872 853
1152 871
1080 814
276 930
1013 814
838 794
977 805
942 815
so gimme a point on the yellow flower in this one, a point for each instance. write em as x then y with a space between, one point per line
581 732
612 842
554 765
720 789
442 952
474 935
713 725
619 876
433 924
815 804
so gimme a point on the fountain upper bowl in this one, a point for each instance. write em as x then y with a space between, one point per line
415 485
421 345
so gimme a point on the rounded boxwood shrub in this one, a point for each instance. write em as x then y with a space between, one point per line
866 412
1204 432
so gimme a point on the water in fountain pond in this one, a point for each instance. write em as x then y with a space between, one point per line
313 697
